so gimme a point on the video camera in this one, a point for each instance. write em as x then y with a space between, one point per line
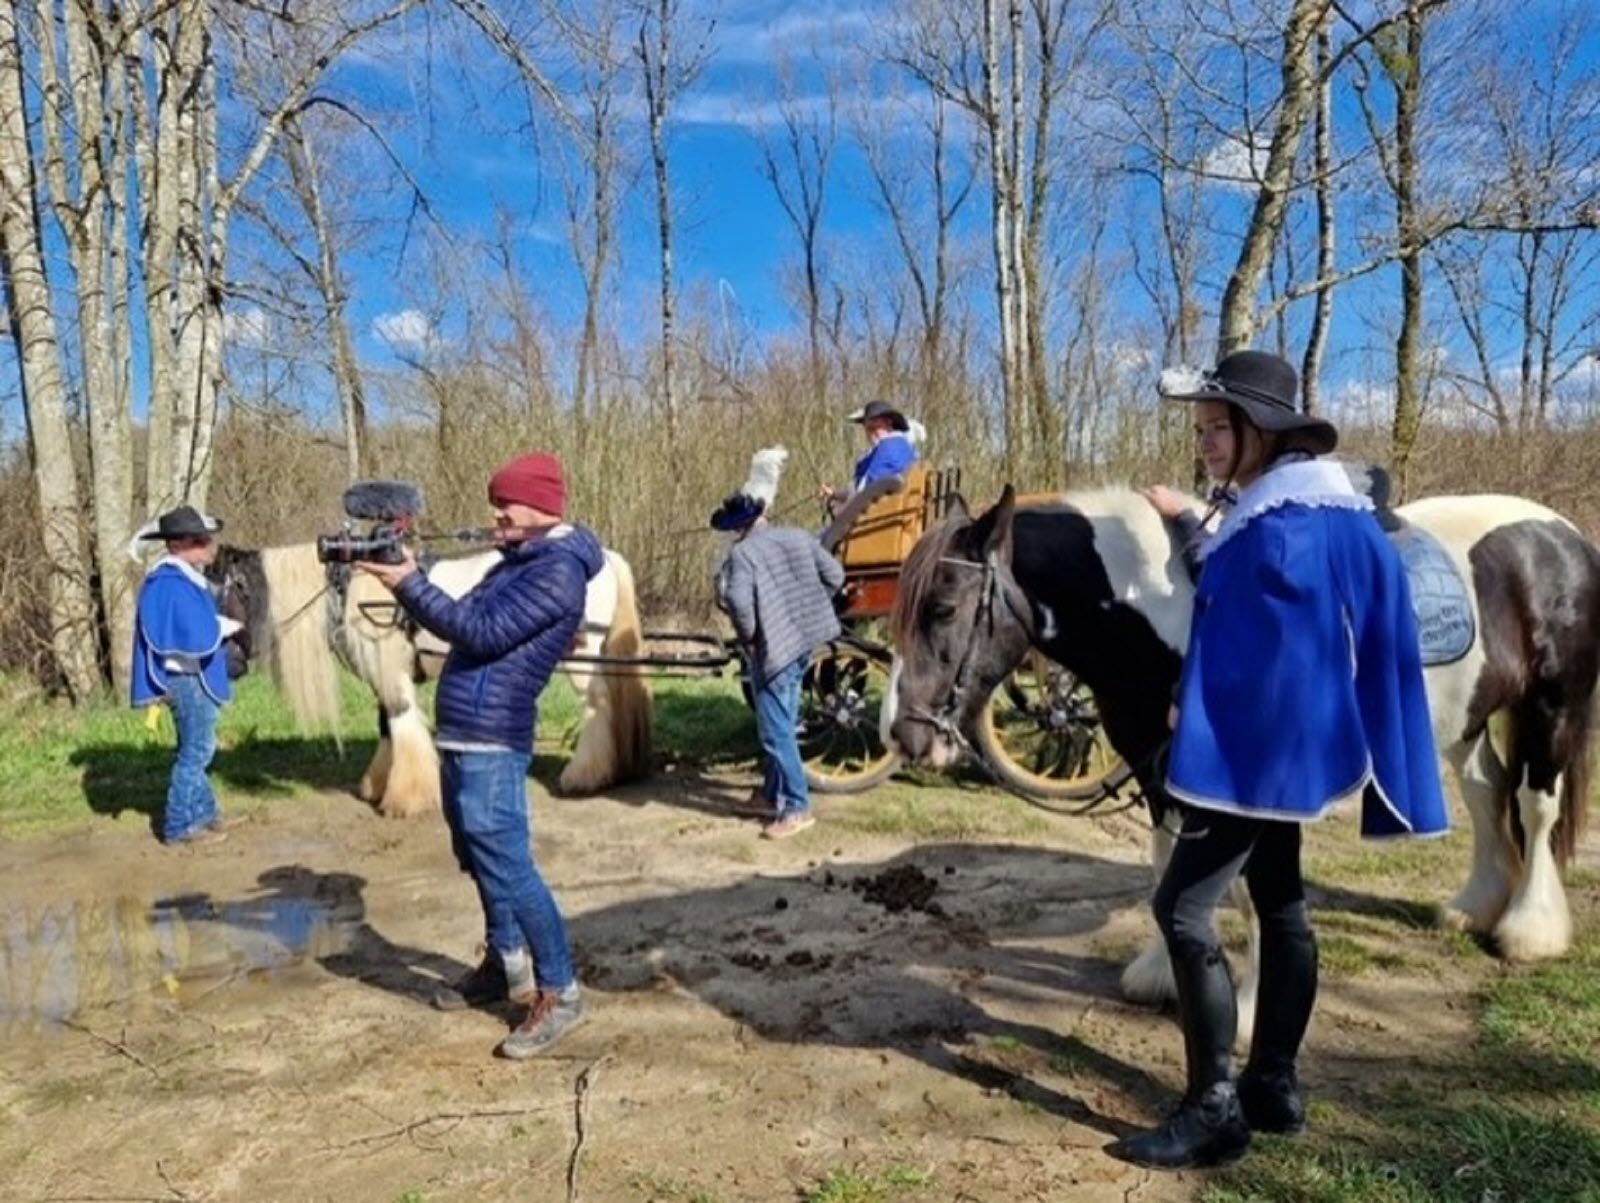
390 507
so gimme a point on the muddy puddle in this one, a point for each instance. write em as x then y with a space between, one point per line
64 959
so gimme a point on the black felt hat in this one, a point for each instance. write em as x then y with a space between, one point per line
880 409
185 522
1263 387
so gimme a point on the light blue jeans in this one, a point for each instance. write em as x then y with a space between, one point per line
778 726
191 804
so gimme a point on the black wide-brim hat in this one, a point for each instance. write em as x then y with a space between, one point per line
185 522
880 409
1263 388
736 512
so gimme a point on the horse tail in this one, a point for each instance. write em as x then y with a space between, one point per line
629 694
1579 730
1574 813
614 743
301 660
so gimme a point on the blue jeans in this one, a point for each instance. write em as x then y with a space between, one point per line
486 807
190 803
778 726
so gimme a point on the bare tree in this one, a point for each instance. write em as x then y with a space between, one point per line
672 53
796 160
33 328
1327 245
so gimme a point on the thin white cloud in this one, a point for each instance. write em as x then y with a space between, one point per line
797 30
246 327
408 330
1233 162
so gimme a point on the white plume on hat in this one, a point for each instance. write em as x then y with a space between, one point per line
766 467
137 545
1180 381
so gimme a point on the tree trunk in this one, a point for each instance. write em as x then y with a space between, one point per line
1237 324
1322 316
657 68
110 423
1000 229
306 175
32 320
1407 77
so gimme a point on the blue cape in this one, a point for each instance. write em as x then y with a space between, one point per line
176 617
1303 682
891 455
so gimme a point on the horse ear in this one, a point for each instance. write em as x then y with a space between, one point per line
958 505
994 528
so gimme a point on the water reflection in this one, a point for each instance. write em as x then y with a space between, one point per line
59 959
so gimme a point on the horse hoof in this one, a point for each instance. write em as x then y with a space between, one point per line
1533 938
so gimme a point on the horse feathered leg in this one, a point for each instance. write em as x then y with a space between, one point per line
376 779
1496 862
1148 977
1250 979
1537 924
412 788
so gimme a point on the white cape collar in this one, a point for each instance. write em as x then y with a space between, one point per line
1306 482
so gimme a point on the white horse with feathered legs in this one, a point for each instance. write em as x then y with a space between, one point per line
303 629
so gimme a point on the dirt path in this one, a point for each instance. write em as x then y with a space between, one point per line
247 1021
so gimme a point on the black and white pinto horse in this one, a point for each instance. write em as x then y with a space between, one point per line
303 627
1096 582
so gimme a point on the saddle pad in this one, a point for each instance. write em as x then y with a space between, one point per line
1445 625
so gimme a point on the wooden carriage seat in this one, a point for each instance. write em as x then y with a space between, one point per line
883 533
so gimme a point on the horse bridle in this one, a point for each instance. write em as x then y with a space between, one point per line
944 719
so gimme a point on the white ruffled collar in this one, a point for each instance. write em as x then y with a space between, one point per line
1306 482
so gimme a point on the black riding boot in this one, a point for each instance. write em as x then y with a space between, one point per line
1268 1090
1207 1127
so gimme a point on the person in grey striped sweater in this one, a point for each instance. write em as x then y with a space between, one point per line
777 586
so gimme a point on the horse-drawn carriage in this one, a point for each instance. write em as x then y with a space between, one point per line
1040 732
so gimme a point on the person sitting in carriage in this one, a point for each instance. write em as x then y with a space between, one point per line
1302 685
892 440
506 637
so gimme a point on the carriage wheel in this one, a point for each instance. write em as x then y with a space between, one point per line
841 697
1041 734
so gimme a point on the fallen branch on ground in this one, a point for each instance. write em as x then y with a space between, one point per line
438 1117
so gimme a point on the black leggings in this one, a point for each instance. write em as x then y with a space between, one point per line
1212 850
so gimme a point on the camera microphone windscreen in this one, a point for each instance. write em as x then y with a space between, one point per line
383 500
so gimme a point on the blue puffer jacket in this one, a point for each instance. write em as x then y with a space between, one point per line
506 636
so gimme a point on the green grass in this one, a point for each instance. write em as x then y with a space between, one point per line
855 1186
1516 1117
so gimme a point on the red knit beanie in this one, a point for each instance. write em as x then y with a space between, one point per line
533 479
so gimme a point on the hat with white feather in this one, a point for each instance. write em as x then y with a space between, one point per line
738 510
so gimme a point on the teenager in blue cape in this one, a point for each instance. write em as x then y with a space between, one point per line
179 659
1302 685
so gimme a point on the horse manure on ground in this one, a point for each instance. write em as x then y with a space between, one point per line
903 887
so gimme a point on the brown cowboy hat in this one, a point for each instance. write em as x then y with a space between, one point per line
1263 387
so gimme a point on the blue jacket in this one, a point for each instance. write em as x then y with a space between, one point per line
506 636
891 455
176 618
1303 682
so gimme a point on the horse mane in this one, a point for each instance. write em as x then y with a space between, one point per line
919 572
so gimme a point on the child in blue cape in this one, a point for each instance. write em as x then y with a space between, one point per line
178 658
1302 685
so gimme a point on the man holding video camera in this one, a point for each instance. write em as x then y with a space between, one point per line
506 637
